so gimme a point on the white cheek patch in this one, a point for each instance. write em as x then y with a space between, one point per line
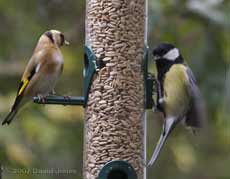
172 54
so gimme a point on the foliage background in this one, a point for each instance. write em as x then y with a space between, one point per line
51 137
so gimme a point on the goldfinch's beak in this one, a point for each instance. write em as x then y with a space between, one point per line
66 42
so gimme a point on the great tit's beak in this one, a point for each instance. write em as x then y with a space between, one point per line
156 57
66 42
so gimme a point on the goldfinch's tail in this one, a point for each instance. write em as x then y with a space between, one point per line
18 103
9 117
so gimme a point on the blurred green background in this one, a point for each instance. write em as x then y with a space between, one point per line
51 137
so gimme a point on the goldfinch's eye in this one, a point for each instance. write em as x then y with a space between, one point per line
62 39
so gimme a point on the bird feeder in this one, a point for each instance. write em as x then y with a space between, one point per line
117 90
114 113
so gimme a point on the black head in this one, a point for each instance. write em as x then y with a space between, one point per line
167 53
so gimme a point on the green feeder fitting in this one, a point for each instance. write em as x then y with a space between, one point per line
117 169
149 82
89 70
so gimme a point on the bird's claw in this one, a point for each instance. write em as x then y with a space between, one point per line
144 163
41 99
155 109
67 97
53 92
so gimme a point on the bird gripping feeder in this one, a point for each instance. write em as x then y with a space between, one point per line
90 68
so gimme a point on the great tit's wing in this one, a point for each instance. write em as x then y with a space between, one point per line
196 114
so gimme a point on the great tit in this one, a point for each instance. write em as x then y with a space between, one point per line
178 96
42 71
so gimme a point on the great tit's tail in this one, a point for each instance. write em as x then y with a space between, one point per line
168 126
9 117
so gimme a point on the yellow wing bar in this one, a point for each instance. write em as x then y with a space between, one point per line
25 82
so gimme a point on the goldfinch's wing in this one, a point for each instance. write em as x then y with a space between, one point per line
196 114
47 62
28 74
37 65
30 70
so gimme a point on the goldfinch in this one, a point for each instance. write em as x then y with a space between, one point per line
178 96
42 71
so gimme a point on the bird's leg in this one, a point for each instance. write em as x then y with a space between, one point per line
155 109
144 163
53 92
194 132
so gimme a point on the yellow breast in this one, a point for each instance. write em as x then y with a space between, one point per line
176 94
